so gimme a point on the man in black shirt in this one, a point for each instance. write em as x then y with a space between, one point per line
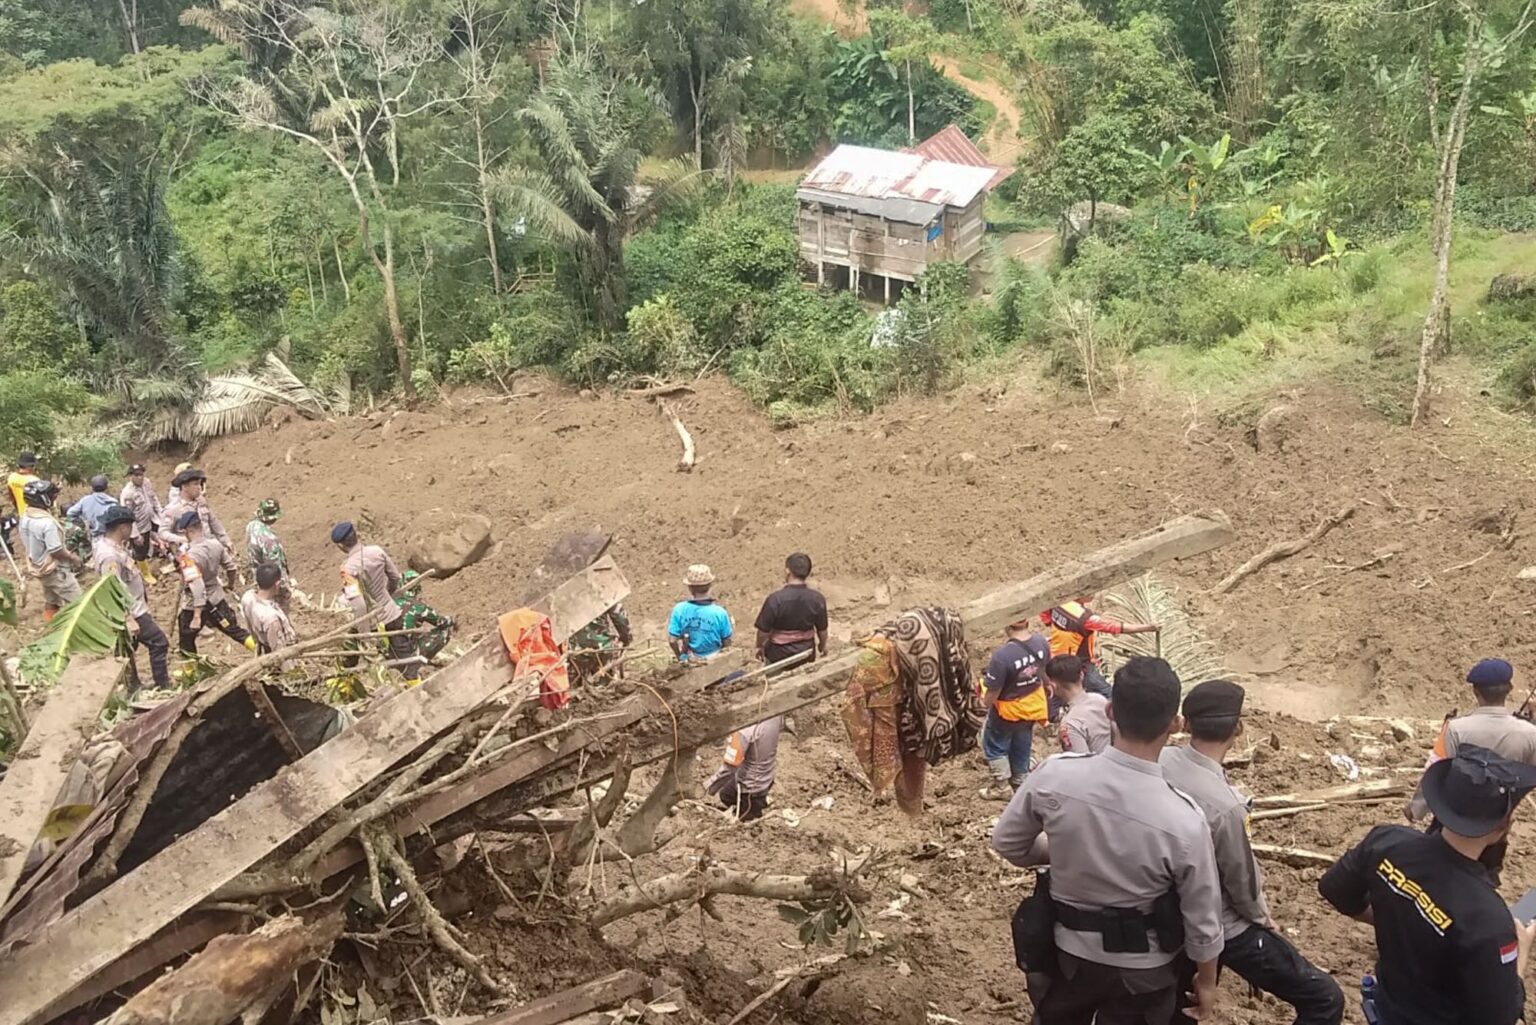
1448 951
793 619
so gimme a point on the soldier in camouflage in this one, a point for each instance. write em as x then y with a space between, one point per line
77 538
595 646
417 613
263 548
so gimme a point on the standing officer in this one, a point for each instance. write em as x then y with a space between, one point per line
1448 952
1491 725
1133 880
1254 948
113 557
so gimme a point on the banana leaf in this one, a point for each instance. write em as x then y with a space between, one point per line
90 625
7 603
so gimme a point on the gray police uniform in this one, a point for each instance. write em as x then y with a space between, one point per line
1253 950
1491 726
1121 837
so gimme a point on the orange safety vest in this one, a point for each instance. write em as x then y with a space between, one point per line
1069 632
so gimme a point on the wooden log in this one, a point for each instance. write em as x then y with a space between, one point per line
103 927
1296 857
609 991
232 974
50 750
694 886
686 463
1344 792
1282 550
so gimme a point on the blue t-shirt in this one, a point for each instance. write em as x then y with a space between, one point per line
90 509
706 625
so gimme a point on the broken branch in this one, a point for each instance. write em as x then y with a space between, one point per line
684 464
693 886
1282 550
1296 857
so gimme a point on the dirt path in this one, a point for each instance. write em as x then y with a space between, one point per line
1002 140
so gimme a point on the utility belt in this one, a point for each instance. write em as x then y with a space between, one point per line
1126 930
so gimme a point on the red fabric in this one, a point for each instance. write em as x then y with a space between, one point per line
530 643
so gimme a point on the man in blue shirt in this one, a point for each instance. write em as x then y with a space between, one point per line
90 508
699 627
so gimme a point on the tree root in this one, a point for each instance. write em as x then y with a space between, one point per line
1282 550
382 842
698 885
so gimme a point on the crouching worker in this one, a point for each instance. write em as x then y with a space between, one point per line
203 602
415 613
746 771
113 557
1254 948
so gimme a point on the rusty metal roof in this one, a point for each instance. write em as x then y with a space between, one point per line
914 184
953 146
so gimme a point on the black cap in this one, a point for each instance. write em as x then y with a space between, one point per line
27 459
1214 699
99 482
187 476
114 515
342 531
1473 792
190 518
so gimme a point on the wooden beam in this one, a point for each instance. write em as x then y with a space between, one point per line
609 991
267 711
49 752
94 934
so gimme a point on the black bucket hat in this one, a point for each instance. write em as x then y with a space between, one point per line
1473 792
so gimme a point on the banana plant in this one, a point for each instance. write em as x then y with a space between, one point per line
1205 164
1165 162
1337 249
92 624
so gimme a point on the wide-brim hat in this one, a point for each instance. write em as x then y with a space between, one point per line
1473 792
187 476
699 575
115 515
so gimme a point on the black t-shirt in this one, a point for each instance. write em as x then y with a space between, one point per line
793 608
1445 942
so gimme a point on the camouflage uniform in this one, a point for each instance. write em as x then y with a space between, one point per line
262 547
593 647
77 539
414 613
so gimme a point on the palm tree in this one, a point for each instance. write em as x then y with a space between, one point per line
584 191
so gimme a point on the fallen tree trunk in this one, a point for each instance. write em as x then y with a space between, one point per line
1346 792
1296 857
684 464
234 975
695 886
1282 550
43 762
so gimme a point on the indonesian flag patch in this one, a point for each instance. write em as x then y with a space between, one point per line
1509 954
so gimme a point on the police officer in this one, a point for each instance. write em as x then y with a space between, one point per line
1133 877
1491 725
1448 952
1254 948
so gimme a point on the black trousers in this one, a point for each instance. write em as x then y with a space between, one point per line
1269 961
142 546
219 616
153 638
746 806
1088 993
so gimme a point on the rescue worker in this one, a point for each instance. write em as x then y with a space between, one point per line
1085 728
415 613
793 619
24 474
264 614
369 580
139 497
49 560
1132 883
1073 629
203 602
1253 948
191 484
595 647
1448 951
746 769
263 548
174 491
699 626
1490 725
90 508
1014 689
114 557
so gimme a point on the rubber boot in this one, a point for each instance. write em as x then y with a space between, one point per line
147 573
1001 788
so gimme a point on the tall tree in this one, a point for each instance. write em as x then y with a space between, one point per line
583 190
362 63
482 69
1483 44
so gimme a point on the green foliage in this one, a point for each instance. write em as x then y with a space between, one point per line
869 94
33 336
7 603
90 625
33 407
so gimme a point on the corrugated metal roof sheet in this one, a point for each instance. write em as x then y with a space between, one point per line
879 174
953 146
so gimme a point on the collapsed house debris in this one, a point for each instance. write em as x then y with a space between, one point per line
189 848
